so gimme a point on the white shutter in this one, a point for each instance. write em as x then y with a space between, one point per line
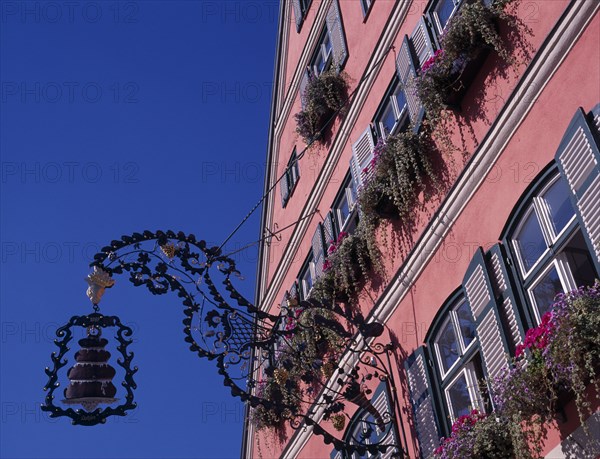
362 154
480 295
505 297
328 232
303 84
336 35
298 16
578 157
421 399
318 252
422 43
407 73
284 188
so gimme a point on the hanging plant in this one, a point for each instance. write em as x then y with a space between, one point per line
323 97
469 36
400 168
477 436
559 359
348 264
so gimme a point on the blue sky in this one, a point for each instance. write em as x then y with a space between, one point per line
117 117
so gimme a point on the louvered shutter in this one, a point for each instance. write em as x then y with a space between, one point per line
388 435
578 158
294 290
335 454
362 154
480 295
596 119
336 35
329 234
303 84
407 73
318 251
422 42
421 398
298 16
284 186
505 296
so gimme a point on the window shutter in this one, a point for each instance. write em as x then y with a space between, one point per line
422 42
335 454
303 84
336 35
504 293
298 16
329 234
578 158
285 188
317 250
421 398
362 154
480 294
407 73
293 293
596 118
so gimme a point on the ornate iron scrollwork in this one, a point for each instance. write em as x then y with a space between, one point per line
247 343
95 416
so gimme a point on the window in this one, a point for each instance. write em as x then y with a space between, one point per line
366 6
442 11
366 429
300 10
344 211
306 278
392 114
290 178
457 358
550 248
323 54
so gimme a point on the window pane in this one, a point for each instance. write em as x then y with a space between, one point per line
530 241
458 394
388 119
561 210
343 211
580 262
444 11
447 346
401 100
466 323
545 291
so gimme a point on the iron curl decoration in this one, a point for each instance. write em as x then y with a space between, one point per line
223 326
97 416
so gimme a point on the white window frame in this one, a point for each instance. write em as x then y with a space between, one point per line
542 213
348 197
453 317
468 371
399 114
438 25
309 269
326 55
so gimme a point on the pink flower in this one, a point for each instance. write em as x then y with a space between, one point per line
432 60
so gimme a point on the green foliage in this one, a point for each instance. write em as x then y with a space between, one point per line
346 268
322 98
401 167
473 29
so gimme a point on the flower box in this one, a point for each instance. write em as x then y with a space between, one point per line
465 70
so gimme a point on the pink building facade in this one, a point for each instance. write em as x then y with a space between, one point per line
516 221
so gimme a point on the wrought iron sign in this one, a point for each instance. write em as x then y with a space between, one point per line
247 345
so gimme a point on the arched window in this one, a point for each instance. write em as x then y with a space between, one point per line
367 429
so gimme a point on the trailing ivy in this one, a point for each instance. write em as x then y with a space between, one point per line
323 97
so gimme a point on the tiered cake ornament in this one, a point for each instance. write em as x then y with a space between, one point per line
91 377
